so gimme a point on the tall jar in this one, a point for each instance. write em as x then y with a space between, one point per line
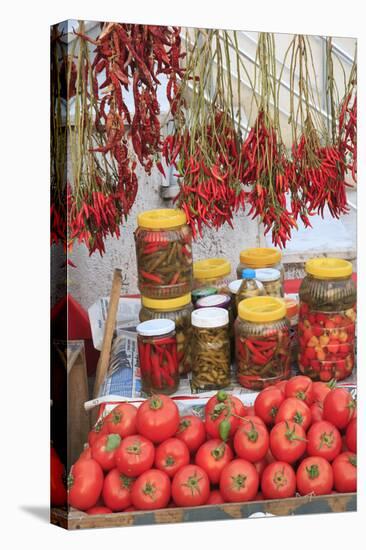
262 342
158 358
211 348
327 319
164 253
257 258
212 272
178 310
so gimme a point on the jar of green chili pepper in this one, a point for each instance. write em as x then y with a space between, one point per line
164 253
158 357
262 342
212 272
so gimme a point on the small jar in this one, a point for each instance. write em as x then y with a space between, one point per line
213 272
262 342
211 349
271 281
178 310
327 319
158 358
164 253
202 293
292 313
257 258
250 287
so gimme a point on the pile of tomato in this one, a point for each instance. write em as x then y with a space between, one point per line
299 438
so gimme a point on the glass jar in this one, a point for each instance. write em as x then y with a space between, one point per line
249 287
158 358
271 281
292 313
164 253
262 342
178 310
211 348
327 319
256 258
213 272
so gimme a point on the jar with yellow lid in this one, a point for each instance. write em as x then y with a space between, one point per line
327 319
178 310
212 272
262 342
258 258
164 253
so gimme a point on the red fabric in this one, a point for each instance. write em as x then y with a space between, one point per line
78 326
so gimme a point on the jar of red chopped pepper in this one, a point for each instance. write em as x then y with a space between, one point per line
262 342
327 319
158 358
164 253
178 310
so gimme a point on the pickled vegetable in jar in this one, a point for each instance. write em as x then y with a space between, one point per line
164 253
249 287
257 258
327 319
271 281
158 358
213 272
262 342
292 313
211 348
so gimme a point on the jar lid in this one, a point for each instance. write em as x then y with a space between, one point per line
155 327
171 303
260 257
292 306
211 268
267 275
248 274
210 317
235 285
202 292
216 300
328 268
262 309
163 218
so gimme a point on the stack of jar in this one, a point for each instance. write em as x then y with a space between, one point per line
164 263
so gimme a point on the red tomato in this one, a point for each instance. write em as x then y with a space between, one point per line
296 410
278 480
85 483
351 436
314 476
324 440
135 455
100 428
171 455
190 486
260 466
86 454
281 386
151 490
316 411
251 441
104 450
122 420
212 457
301 388
345 472
192 431
58 490
287 441
158 418
249 411
239 481
96 510
339 407
246 419
269 457
215 497
267 404
217 412
117 490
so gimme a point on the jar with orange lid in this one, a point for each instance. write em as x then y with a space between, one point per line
178 310
258 258
212 272
327 319
262 342
164 253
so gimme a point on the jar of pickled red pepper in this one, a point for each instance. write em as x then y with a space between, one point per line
327 319
211 348
164 253
158 357
257 258
212 272
262 342
178 310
